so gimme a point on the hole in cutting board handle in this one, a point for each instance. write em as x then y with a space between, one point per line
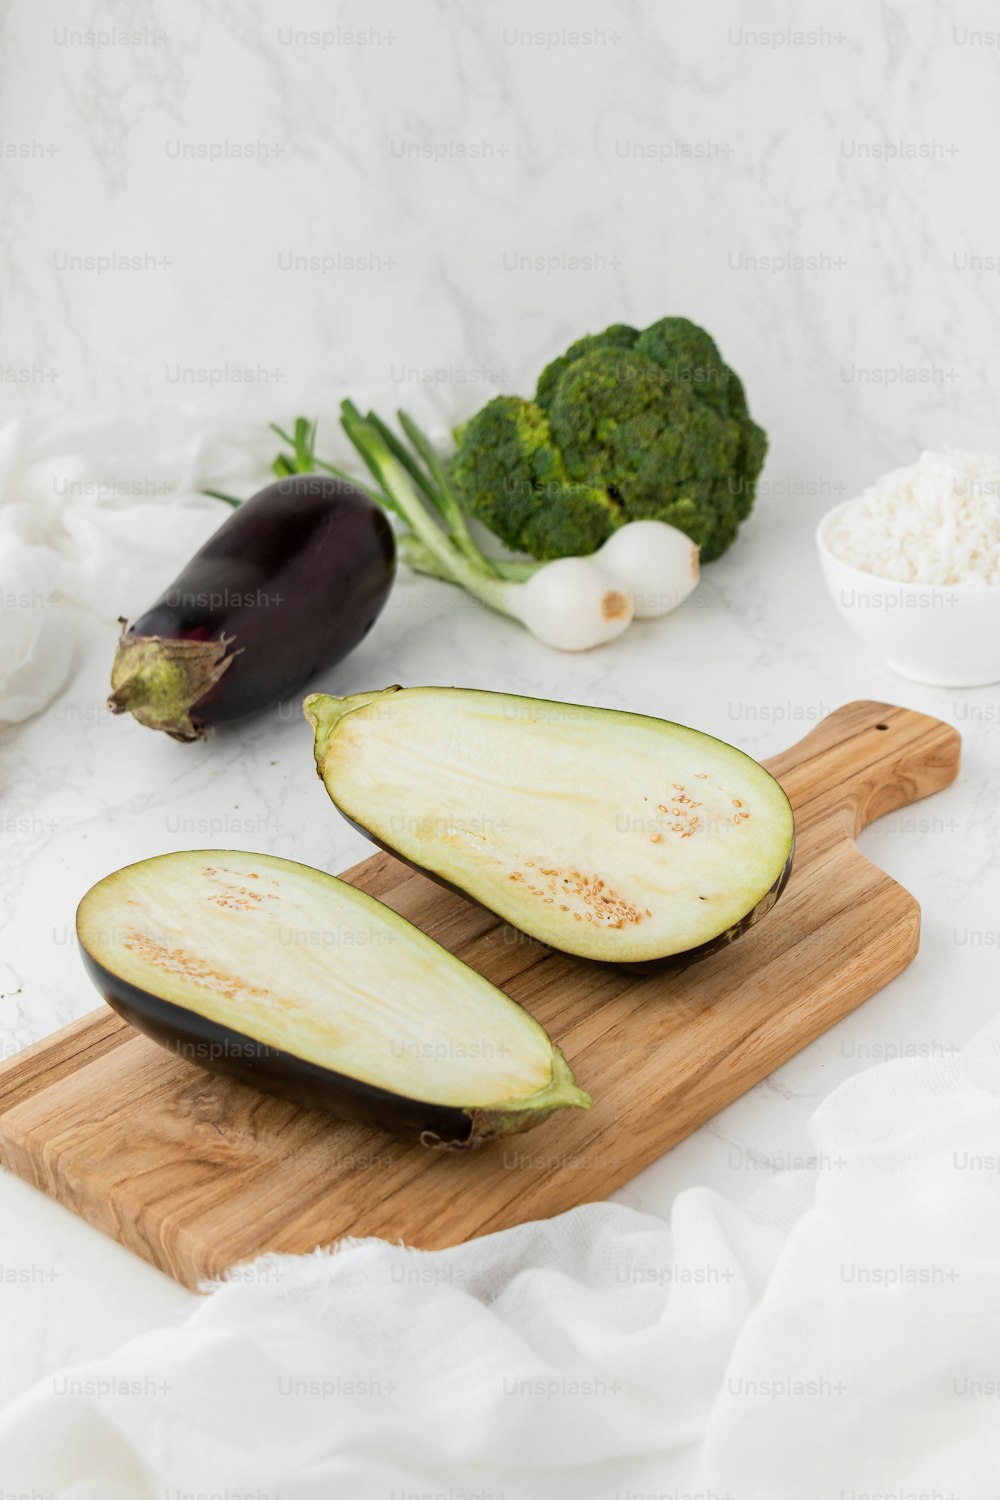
881 726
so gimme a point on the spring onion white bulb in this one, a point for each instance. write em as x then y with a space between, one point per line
573 604
659 562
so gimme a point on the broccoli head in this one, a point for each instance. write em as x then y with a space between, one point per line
624 426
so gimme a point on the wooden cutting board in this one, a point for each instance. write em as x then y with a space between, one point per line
197 1173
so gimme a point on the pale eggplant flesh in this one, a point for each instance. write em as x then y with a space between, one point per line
297 983
611 836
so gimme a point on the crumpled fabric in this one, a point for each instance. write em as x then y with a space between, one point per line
835 1337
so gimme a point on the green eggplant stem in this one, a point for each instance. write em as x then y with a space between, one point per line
158 680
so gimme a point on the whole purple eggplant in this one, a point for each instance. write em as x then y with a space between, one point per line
287 586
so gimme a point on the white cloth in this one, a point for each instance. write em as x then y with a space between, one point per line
837 1337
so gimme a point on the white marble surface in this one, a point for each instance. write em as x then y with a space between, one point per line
883 343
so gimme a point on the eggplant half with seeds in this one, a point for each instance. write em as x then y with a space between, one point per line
293 981
288 585
607 835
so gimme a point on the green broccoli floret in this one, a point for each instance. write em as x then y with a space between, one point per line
624 426
524 491
618 336
689 355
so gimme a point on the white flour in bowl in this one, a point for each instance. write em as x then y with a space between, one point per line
937 521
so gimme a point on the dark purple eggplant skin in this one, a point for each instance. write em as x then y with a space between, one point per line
286 587
669 963
219 1049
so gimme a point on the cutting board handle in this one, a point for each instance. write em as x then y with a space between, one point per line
866 760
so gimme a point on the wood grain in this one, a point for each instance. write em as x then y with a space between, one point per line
197 1173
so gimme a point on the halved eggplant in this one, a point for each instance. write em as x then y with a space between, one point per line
298 983
608 835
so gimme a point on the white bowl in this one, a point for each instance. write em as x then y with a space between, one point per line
947 635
